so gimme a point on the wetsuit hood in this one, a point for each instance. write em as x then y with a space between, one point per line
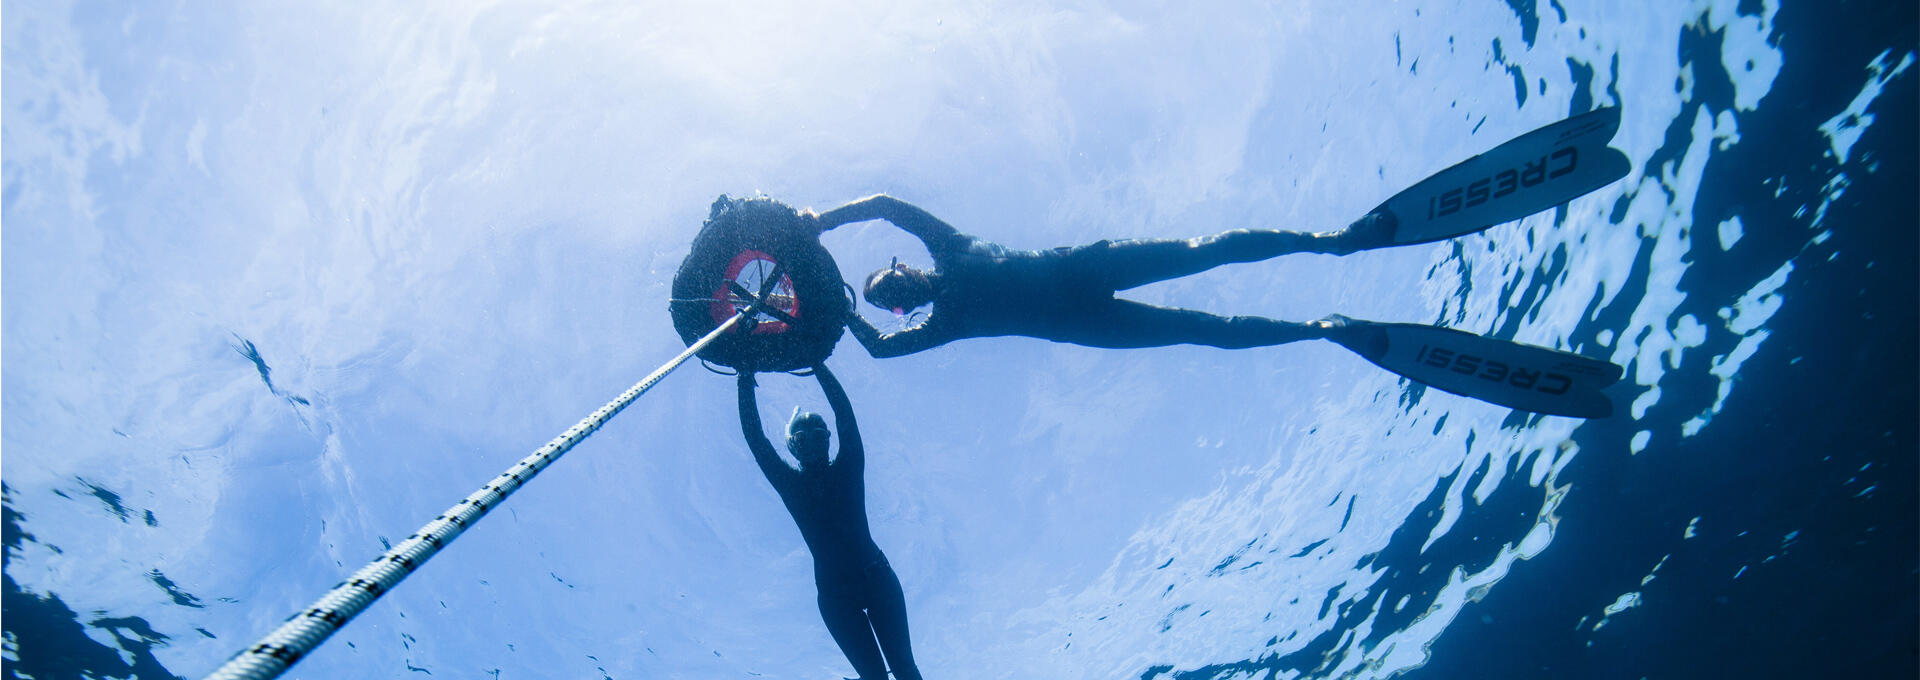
807 437
899 288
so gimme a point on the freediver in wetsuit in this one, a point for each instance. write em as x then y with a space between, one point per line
860 596
982 289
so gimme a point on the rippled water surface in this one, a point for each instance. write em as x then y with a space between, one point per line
283 283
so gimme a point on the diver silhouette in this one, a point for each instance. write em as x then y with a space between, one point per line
981 289
860 597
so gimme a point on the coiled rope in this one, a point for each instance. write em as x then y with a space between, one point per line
306 629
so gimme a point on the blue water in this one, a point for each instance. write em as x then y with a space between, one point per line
281 285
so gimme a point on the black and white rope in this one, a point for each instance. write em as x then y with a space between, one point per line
306 629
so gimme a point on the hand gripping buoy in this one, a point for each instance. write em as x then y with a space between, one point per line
750 248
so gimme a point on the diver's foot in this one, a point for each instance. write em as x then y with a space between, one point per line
1375 230
1333 326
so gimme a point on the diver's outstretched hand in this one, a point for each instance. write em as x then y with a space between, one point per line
810 220
747 373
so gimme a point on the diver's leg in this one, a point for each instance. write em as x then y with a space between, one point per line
850 629
887 608
1137 262
1132 263
1125 324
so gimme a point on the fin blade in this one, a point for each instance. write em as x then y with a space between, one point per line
1511 374
1528 174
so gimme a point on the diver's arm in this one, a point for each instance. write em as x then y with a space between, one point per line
852 451
907 216
776 470
898 343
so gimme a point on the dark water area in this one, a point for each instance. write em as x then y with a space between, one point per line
48 638
1803 562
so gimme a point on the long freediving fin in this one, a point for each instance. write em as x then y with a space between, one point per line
1530 173
1510 374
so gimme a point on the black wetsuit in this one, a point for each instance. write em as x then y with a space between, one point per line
984 289
860 597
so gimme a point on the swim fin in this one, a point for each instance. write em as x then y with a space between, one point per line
1533 172
1510 374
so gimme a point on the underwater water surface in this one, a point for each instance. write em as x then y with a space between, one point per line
283 283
